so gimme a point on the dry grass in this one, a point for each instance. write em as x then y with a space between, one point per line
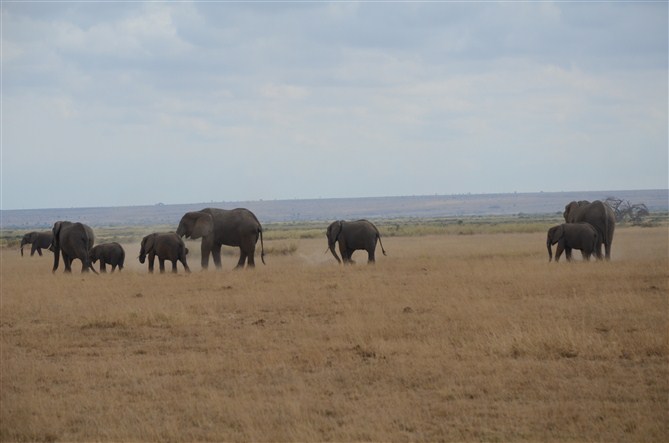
449 338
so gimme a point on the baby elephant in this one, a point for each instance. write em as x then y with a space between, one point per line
39 241
108 254
570 236
166 246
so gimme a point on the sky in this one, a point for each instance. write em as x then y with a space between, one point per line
138 103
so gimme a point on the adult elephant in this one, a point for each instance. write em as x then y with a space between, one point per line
599 215
38 240
73 240
352 236
568 236
165 246
217 227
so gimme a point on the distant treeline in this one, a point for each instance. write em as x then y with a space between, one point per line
278 211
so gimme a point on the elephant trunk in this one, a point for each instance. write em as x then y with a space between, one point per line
331 246
56 257
550 249
23 243
89 266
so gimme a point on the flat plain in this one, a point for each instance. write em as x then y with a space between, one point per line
448 338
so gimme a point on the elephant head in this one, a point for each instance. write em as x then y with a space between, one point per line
147 247
196 224
554 235
27 239
573 210
333 234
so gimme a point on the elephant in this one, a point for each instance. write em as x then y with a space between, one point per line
235 227
108 254
570 236
353 235
167 246
73 240
39 241
598 214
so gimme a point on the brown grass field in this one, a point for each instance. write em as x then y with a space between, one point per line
448 338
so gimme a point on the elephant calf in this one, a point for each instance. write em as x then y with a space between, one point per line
166 246
108 254
570 236
39 241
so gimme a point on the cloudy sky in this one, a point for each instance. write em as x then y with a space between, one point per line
131 103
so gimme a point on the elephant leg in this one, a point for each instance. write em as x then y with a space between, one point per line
152 257
161 263
343 250
216 253
103 267
598 250
558 252
251 257
174 266
370 257
185 263
113 268
205 251
242 259
567 253
67 261
607 249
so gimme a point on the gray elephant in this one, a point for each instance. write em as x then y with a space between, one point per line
38 240
217 227
108 254
72 240
599 215
568 236
352 236
165 246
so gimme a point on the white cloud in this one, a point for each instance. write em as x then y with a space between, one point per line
283 92
409 98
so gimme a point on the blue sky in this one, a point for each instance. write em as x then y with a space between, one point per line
107 104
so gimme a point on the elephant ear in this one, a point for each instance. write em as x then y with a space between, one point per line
148 242
204 225
56 231
337 230
568 213
195 225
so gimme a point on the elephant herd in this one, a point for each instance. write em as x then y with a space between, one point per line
588 226
217 227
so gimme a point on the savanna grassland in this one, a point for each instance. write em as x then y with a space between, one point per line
448 338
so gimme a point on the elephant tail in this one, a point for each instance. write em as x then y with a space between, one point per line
262 247
379 237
